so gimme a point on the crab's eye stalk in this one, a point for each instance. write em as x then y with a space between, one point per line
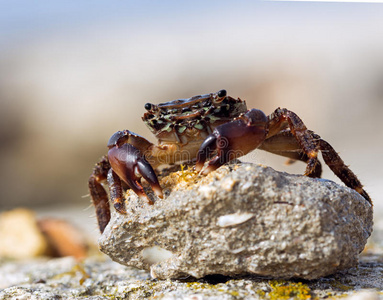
222 93
148 106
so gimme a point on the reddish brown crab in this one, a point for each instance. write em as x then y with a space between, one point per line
215 127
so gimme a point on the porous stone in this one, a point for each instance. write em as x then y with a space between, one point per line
97 278
241 219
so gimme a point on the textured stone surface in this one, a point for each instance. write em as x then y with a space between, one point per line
65 278
242 219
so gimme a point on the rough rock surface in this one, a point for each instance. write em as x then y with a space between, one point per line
241 219
66 278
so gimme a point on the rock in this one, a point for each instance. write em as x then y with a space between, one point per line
241 219
364 295
23 236
20 235
97 278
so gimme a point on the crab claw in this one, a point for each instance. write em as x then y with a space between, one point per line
127 162
146 171
208 146
232 140
214 143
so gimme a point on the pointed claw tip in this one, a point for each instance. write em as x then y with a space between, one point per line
158 191
145 198
142 195
102 228
208 170
150 201
120 207
204 172
199 166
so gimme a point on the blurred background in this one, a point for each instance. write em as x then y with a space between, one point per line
72 73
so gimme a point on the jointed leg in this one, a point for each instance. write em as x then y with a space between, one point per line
337 165
285 144
281 118
98 193
115 190
102 172
311 144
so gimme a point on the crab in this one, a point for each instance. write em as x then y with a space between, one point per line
209 130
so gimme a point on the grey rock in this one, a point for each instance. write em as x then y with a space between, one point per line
97 278
241 219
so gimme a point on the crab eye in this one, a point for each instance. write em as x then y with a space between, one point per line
222 93
148 106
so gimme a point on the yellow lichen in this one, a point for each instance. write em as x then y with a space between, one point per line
198 285
260 293
180 179
77 268
186 179
289 290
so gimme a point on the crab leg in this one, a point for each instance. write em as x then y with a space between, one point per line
336 164
233 139
311 144
115 190
282 118
98 194
285 144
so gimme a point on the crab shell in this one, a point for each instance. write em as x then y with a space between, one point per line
191 120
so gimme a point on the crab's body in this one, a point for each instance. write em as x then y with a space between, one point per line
182 125
213 126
